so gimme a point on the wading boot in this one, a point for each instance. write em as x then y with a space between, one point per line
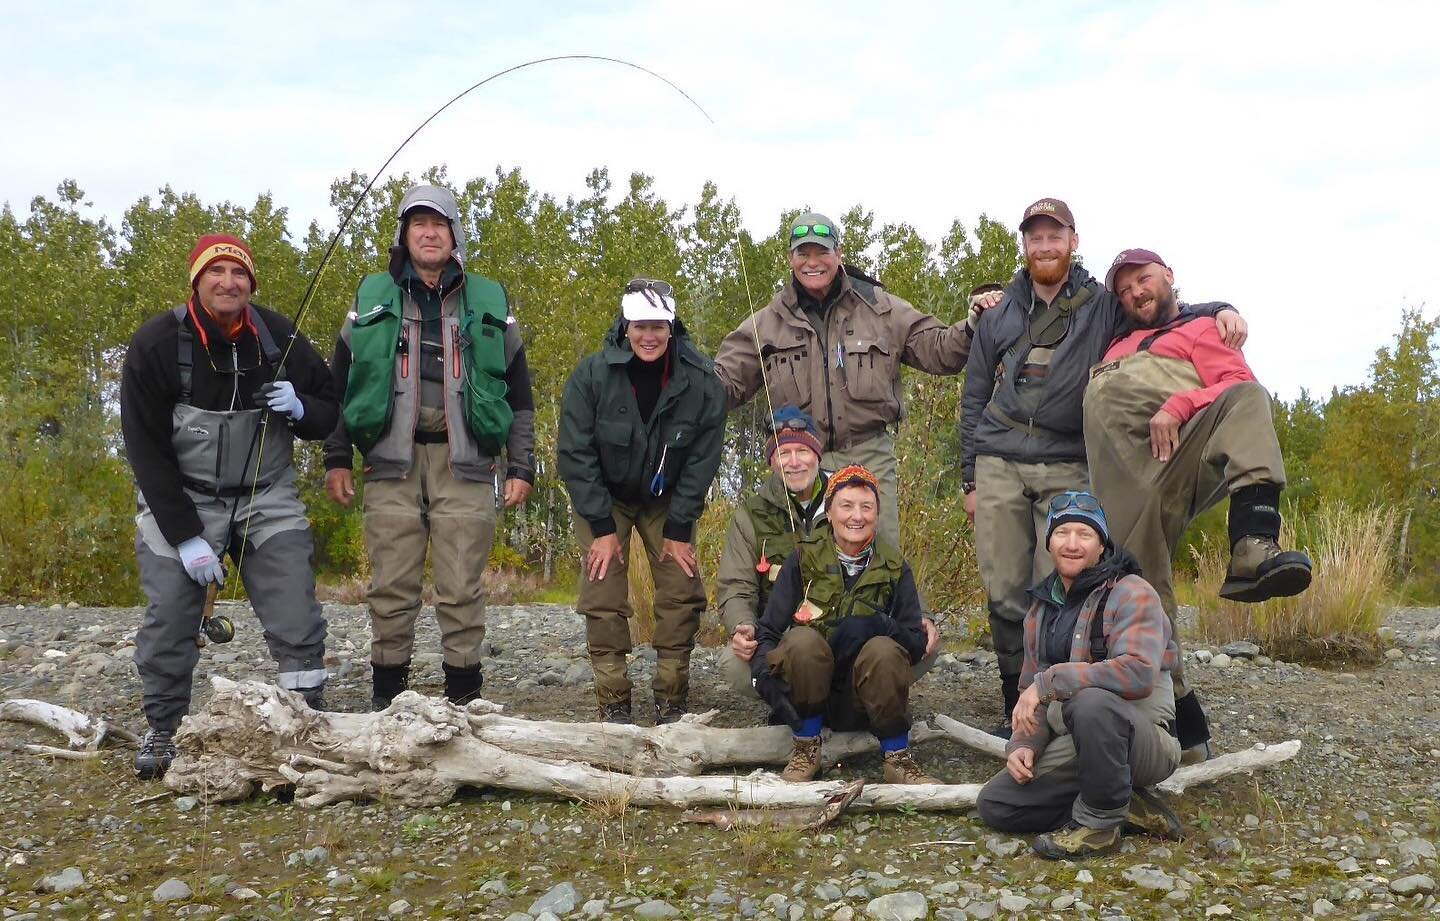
900 767
804 763
1010 692
462 685
1148 815
1076 842
388 681
1192 729
617 712
669 710
1259 569
157 750
314 697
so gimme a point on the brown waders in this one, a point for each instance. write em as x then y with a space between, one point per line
679 602
1228 445
876 695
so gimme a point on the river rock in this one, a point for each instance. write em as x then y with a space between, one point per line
899 906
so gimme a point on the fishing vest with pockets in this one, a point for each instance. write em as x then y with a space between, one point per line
823 580
219 452
775 537
1026 363
377 336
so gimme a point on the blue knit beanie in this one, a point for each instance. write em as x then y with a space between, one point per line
1074 505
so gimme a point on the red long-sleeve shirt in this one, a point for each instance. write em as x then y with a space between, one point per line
1198 342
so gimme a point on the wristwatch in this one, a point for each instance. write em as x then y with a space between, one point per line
967 487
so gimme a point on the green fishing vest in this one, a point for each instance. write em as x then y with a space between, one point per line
775 538
375 337
824 580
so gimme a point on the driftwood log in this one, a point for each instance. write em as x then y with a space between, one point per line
421 750
84 733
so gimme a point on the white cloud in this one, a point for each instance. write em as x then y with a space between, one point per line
1283 155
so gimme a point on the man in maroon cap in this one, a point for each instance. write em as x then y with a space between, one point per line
1174 422
1021 425
212 395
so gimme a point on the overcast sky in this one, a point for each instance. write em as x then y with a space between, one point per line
1283 156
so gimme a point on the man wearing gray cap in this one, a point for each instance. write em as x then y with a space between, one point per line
436 388
831 343
1022 442
1174 422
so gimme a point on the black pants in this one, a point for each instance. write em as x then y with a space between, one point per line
1112 747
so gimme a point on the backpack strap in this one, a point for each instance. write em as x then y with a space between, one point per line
1099 649
184 353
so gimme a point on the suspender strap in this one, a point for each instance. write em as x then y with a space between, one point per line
185 348
1099 651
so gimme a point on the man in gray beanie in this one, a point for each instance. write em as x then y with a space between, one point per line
435 387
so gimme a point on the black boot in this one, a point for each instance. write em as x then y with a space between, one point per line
462 685
1259 569
1010 691
389 680
157 750
1191 728
314 697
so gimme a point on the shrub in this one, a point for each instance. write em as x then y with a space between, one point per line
1337 617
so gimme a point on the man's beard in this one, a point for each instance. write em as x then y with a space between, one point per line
1165 309
1048 273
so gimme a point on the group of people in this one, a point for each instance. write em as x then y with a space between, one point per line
1098 420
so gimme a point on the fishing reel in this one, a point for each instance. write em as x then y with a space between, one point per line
218 628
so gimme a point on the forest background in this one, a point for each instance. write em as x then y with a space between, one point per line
74 287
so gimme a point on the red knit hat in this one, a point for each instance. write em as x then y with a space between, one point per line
214 246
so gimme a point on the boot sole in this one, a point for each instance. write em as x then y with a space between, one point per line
1173 830
1049 852
151 773
1281 582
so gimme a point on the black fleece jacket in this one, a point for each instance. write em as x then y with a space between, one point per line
150 388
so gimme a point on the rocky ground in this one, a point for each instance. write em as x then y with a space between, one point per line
1347 830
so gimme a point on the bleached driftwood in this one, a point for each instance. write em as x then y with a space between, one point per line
1256 758
685 748
421 751
83 732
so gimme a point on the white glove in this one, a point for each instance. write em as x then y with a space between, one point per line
201 563
280 396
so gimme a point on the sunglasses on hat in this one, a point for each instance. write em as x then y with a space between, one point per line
1072 499
662 288
819 230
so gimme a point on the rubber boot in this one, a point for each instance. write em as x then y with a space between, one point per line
1259 569
462 685
1010 691
388 681
1192 729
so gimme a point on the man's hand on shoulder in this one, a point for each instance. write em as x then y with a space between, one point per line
1232 328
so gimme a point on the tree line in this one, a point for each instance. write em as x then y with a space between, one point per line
74 286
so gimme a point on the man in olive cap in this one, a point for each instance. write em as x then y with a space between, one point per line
832 343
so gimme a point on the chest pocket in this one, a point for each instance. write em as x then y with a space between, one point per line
614 439
870 371
787 371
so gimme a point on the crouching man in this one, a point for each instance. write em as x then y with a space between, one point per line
841 633
1094 722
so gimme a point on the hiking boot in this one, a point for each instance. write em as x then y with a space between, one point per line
1010 693
804 763
1148 815
669 710
900 767
314 697
618 712
462 685
1076 842
157 750
388 681
1260 570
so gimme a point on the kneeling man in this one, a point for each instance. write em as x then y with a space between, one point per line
1093 722
841 633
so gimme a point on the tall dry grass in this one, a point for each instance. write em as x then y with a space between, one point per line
1338 616
709 542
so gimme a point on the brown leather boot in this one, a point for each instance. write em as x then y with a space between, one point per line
804 763
900 767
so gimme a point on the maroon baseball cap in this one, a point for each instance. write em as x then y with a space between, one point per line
1131 257
1051 208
